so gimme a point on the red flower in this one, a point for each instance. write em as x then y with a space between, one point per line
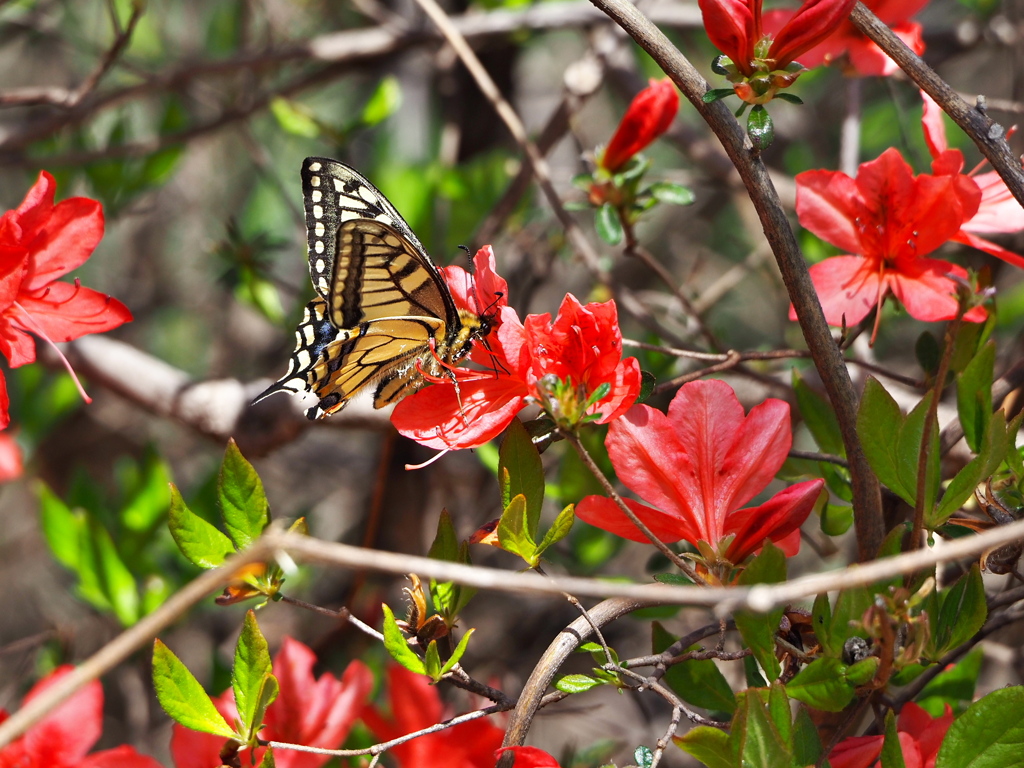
649 115
309 711
863 56
735 28
63 738
529 757
998 211
920 738
39 242
562 364
415 705
889 219
699 465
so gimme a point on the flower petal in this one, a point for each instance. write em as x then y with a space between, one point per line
11 466
63 311
829 204
847 288
118 757
67 733
933 125
529 757
601 512
775 520
999 210
856 752
993 249
65 241
731 29
814 21
648 116
925 288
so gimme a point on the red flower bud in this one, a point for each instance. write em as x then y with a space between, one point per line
649 115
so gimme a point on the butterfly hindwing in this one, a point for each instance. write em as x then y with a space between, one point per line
383 306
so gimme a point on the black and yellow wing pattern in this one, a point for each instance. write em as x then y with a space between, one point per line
381 307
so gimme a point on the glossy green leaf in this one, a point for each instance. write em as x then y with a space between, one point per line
819 417
974 395
513 534
396 645
432 661
521 472
182 697
708 745
822 685
760 128
458 653
991 452
242 499
559 528
250 671
576 683
609 228
879 424
758 629
892 752
963 611
203 544
990 734
675 194
267 695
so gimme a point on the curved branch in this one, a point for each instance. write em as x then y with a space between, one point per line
827 357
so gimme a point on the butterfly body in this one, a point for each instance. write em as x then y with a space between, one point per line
384 314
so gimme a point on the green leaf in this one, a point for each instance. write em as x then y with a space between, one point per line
910 451
760 128
576 683
199 541
806 742
384 102
513 534
990 734
952 686
294 118
707 744
863 671
559 529
760 742
836 519
242 499
268 693
396 645
449 598
674 194
150 498
963 611
822 685
116 581
446 543
608 225
698 681
182 697
267 761
62 527
850 608
819 417
821 620
992 451
457 654
521 472
432 661
758 629
974 395
250 671
790 97
892 752
879 422
717 93
643 757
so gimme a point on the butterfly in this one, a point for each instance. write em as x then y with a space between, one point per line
383 313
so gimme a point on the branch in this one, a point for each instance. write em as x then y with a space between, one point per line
989 136
826 355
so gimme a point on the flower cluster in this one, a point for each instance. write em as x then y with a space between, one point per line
64 737
39 242
698 465
315 712
757 63
571 366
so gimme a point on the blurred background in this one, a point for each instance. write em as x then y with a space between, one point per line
188 120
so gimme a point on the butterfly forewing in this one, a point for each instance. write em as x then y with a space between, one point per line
383 304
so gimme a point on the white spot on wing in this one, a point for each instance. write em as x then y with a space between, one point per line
319 249
314 167
314 181
319 230
318 212
316 196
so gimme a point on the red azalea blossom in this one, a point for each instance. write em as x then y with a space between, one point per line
888 219
529 757
39 242
415 705
920 736
649 115
998 211
863 57
699 465
582 349
759 63
315 712
63 738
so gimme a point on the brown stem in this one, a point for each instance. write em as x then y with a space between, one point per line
867 501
